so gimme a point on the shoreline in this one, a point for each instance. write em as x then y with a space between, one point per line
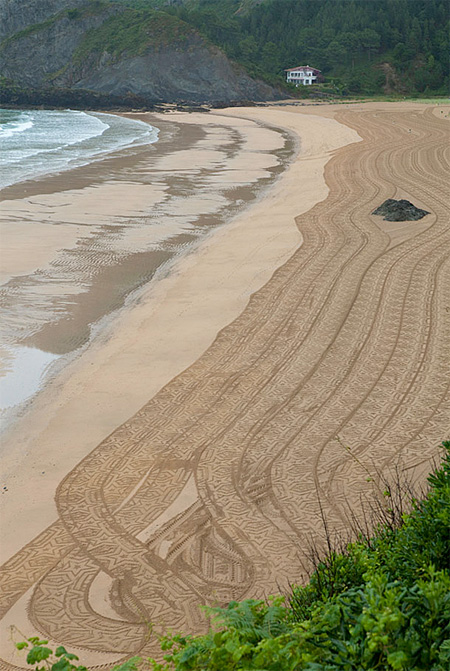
137 225
103 145
39 450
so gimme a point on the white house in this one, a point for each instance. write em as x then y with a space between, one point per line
302 74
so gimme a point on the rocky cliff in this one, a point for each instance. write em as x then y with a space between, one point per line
110 49
16 15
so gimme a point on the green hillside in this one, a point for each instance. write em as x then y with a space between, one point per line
133 33
361 46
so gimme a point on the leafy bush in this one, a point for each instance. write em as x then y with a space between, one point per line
60 660
381 625
73 14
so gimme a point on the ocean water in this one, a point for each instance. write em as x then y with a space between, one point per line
40 142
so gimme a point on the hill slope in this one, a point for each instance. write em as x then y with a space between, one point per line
112 49
363 46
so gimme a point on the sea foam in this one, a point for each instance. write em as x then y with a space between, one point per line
39 142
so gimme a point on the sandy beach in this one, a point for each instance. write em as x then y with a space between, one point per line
184 454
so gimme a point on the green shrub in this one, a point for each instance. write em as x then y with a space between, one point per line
43 658
73 14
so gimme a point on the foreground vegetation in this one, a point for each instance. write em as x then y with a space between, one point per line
382 602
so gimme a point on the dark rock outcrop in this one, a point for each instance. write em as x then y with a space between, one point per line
399 210
195 74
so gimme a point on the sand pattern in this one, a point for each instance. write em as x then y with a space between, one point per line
214 488
99 243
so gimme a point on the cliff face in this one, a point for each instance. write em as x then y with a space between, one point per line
16 15
110 49
33 56
194 73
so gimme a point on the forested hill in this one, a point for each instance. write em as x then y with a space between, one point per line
363 45
219 51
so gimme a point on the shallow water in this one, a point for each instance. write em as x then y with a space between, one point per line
23 377
40 142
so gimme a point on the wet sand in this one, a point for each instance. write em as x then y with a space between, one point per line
76 245
210 491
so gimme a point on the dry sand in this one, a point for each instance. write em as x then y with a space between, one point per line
210 492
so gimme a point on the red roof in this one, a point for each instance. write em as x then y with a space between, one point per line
302 67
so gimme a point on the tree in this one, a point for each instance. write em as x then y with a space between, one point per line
370 40
248 49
